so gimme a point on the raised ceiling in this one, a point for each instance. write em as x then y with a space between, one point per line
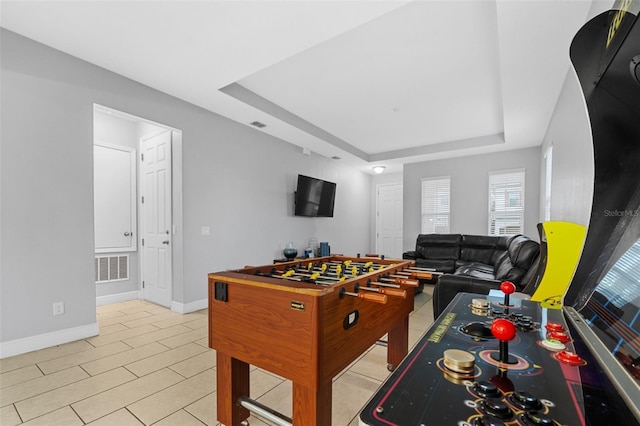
370 82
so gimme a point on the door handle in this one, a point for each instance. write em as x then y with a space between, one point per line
166 242
127 234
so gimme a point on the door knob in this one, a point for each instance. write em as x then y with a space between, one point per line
166 242
126 234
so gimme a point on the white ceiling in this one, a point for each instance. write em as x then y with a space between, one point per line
370 82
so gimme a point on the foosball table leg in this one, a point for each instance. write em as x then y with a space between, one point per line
232 383
398 343
312 407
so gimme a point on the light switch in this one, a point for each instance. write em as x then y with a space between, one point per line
205 230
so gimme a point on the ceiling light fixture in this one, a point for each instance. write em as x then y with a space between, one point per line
378 169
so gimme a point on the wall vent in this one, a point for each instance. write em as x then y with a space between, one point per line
112 268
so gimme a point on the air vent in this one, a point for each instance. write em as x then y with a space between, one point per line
112 268
258 124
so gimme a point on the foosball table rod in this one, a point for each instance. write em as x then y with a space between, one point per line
265 412
400 279
370 297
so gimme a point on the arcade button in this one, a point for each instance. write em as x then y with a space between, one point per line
524 324
459 361
487 420
486 389
480 312
480 303
553 344
525 401
497 408
569 357
560 336
535 418
553 326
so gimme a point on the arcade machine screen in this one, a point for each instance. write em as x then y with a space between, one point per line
610 323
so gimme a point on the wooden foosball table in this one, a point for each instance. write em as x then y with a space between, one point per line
305 321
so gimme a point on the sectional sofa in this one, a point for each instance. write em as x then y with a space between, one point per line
475 263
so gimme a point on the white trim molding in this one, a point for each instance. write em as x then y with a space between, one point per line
185 308
46 340
118 297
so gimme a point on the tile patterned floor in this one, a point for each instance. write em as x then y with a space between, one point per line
151 366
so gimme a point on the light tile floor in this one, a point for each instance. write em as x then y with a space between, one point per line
151 366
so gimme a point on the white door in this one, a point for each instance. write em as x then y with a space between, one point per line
156 218
389 221
114 200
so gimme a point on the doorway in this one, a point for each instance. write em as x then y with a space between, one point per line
389 220
151 274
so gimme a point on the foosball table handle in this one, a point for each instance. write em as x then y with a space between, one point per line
373 297
394 292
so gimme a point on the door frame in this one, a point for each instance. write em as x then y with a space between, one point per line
177 261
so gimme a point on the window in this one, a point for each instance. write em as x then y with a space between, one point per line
506 202
548 164
435 205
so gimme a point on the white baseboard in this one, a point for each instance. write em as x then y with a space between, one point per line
185 308
181 308
119 297
41 341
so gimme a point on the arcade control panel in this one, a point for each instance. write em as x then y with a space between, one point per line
492 362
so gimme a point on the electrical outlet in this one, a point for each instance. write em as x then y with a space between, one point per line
58 308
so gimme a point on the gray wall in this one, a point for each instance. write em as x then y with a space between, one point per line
573 168
236 180
469 191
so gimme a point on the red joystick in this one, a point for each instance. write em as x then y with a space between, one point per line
504 330
507 287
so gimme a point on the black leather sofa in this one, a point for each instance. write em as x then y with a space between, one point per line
475 263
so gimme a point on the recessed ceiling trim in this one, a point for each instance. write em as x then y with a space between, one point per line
250 98
481 141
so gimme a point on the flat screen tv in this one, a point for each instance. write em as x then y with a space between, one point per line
314 197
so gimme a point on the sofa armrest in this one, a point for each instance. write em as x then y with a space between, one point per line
412 255
449 285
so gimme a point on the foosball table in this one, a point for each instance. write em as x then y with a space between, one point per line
305 320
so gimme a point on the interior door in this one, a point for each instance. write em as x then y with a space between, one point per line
389 221
156 218
114 198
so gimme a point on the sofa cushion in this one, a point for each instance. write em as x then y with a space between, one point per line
477 270
439 246
523 251
505 271
502 245
441 265
477 248
514 264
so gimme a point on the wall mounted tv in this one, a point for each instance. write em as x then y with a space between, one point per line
314 197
